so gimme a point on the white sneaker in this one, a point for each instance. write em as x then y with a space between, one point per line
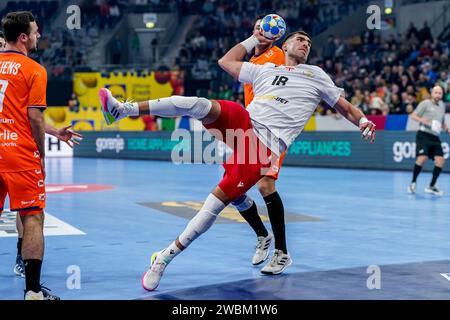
31 295
262 249
151 279
112 109
279 262
434 190
412 188
19 267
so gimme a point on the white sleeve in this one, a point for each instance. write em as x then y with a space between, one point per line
249 72
329 92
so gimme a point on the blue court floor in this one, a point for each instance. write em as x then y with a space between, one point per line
341 225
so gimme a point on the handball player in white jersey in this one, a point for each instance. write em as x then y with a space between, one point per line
285 98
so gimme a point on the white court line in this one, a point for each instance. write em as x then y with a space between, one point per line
52 226
446 276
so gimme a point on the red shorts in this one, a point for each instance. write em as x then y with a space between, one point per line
26 190
250 159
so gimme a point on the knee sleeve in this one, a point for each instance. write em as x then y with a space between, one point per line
194 107
242 203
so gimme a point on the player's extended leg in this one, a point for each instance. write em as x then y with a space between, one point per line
203 220
199 108
19 268
439 162
420 160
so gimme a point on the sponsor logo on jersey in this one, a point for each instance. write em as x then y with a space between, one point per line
24 203
6 121
7 135
308 73
271 97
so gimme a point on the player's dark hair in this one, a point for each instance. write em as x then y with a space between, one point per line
259 17
290 35
16 23
1 35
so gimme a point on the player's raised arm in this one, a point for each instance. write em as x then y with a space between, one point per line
231 62
357 117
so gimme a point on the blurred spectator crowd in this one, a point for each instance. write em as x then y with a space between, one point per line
387 76
62 50
379 75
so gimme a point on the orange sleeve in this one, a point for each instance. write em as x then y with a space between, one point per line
278 58
38 89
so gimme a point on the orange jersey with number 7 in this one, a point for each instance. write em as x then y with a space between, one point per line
23 85
273 55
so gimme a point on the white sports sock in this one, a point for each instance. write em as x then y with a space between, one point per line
129 108
175 106
171 252
202 221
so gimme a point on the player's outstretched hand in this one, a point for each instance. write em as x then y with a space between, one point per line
367 129
69 136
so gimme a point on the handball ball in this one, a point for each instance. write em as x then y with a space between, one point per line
272 26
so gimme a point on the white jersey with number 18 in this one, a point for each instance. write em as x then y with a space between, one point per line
286 97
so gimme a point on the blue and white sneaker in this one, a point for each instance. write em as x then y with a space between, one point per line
19 267
48 295
112 109
151 279
44 294
262 249
434 190
279 262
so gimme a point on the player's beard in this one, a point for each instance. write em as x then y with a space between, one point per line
299 58
32 48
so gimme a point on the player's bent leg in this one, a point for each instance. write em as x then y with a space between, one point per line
266 186
280 259
198 225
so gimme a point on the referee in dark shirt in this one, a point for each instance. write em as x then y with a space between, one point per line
430 114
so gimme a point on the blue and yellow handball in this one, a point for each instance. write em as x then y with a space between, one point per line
273 27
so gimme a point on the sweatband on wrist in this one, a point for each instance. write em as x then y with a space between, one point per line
250 43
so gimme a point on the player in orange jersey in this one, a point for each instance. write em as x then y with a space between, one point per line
23 85
65 134
265 52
